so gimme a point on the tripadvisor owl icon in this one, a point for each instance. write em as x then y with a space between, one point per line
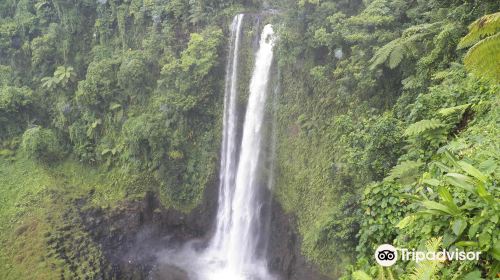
386 255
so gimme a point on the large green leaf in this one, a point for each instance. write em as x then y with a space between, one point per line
459 226
484 194
475 226
467 244
474 275
445 194
474 172
432 205
495 251
406 221
461 181
433 182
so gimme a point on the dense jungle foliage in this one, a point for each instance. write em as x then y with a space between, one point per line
388 137
388 119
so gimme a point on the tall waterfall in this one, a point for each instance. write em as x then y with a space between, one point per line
235 245
229 146
237 248
243 234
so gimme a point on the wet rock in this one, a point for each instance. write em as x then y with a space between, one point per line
169 272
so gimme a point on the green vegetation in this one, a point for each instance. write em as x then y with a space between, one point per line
42 144
33 199
114 98
391 134
388 124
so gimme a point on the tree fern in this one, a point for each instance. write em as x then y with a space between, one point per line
483 57
424 28
384 52
49 82
396 56
65 74
486 26
433 132
393 52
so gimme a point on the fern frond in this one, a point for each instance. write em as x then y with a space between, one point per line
406 171
383 53
396 56
421 28
485 26
390 274
433 244
423 126
453 110
484 58
412 82
393 52
427 270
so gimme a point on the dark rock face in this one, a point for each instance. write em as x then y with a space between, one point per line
284 254
131 235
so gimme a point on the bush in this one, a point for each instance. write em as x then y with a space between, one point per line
42 144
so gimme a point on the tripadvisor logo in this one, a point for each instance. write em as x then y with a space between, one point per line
387 255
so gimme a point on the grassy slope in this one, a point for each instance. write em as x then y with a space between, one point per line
29 193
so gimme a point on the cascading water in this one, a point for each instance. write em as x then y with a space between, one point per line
236 251
234 247
242 237
229 148
244 232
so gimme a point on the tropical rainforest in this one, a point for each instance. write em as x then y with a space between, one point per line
387 123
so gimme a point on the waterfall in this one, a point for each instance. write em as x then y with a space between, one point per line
235 245
229 148
243 234
237 248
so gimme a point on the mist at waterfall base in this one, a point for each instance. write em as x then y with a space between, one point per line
237 249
